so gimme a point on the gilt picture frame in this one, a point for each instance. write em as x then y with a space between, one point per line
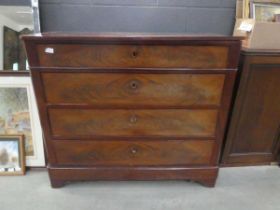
12 157
264 12
19 116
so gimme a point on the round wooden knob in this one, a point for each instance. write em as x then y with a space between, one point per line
133 119
133 150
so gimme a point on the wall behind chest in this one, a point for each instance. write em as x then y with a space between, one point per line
178 16
15 2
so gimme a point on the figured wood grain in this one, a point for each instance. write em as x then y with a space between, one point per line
133 56
133 89
150 98
76 123
131 153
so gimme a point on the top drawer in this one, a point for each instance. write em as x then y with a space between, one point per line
133 56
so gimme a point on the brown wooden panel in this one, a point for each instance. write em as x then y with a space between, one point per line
144 56
71 123
133 153
205 175
260 118
133 89
249 159
254 126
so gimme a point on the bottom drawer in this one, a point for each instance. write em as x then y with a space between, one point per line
133 153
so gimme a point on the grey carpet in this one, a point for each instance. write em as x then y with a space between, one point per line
244 188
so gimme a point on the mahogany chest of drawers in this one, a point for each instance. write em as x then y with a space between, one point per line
132 107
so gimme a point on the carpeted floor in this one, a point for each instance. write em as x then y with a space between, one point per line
247 188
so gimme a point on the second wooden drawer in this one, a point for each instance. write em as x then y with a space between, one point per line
133 89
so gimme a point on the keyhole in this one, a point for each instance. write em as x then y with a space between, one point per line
134 54
134 84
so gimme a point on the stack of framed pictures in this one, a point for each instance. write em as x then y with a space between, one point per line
260 10
19 116
21 141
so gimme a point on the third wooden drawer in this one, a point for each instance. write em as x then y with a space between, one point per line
91 123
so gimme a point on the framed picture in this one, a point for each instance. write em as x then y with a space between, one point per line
19 115
12 159
239 9
14 52
266 1
264 12
10 47
246 8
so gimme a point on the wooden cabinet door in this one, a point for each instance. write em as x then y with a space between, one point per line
252 138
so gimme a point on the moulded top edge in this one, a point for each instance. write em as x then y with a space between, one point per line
129 36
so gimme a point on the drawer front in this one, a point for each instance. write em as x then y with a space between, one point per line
133 153
133 89
89 123
141 56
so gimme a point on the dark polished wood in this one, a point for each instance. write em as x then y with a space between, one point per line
133 153
132 107
253 136
204 175
75 87
89 123
133 56
10 73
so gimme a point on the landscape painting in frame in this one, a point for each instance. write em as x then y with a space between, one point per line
19 115
265 12
12 155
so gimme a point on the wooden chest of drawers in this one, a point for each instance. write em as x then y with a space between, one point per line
132 107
